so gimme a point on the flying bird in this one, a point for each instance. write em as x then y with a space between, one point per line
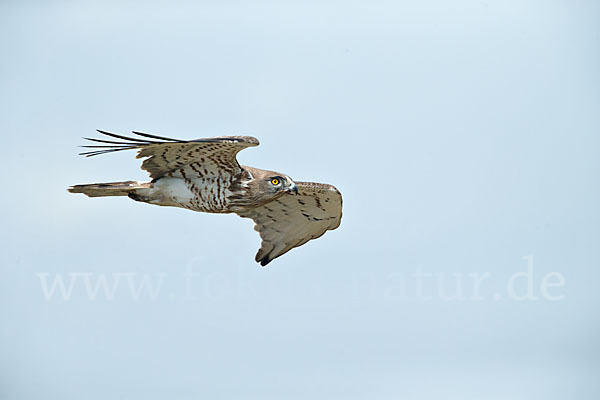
204 175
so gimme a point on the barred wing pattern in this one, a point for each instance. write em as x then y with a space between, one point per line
179 158
292 220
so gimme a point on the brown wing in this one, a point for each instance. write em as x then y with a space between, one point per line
179 158
294 219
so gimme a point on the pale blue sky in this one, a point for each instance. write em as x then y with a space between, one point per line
463 135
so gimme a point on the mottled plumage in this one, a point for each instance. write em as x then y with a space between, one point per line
204 175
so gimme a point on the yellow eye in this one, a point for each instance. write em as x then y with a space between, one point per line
275 181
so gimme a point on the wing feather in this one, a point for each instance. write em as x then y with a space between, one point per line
179 158
294 219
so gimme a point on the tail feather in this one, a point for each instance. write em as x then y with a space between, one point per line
109 188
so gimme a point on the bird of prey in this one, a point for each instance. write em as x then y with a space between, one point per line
204 175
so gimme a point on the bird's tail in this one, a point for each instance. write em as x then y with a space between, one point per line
110 188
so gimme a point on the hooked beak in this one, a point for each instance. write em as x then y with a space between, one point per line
292 188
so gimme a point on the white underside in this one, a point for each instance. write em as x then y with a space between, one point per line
176 192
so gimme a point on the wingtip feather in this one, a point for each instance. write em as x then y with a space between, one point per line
265 261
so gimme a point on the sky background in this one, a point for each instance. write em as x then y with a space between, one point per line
463 135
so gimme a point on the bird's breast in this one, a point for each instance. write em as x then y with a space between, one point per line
207 194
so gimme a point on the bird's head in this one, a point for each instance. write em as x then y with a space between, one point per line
281 183
264 186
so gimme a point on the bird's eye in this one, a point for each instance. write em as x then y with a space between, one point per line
275 181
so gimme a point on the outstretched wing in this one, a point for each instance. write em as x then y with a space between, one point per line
178 158
293 219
